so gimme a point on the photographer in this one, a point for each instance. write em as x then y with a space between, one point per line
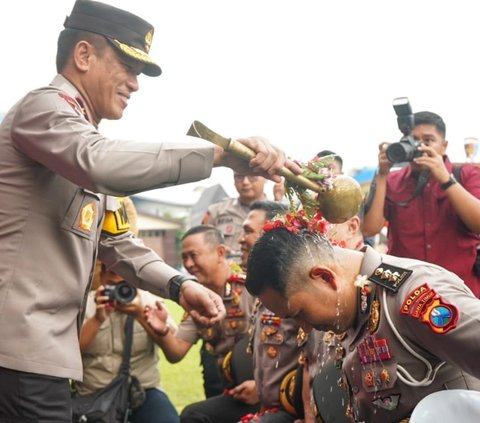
102 341
431 216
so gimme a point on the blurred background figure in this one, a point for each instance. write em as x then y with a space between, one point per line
228 215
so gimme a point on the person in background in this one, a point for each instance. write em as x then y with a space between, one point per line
57 176
409 326
228 215
102 339
425 207
336 165
275 352
205 257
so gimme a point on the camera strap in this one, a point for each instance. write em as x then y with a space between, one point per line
127 348
421 183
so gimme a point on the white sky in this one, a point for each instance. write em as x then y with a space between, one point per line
307 74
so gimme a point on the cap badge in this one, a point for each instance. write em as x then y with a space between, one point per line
148 40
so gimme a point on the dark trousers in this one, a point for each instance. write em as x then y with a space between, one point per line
157 408
219 409
213 384
29 397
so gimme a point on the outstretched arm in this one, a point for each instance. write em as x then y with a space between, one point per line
374 219
156 320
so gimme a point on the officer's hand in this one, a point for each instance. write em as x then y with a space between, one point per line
384 165
103 307
433 161
157 318
134 307
246 392
205 306
278 190
267 162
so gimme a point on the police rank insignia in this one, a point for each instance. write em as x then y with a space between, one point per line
425 304
390 277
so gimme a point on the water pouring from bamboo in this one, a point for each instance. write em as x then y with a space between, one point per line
337 204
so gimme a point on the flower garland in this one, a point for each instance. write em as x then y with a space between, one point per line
298 220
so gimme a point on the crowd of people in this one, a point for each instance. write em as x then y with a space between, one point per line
300 320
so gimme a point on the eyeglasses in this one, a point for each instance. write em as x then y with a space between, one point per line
240 178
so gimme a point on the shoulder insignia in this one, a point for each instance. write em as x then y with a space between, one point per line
390 277
116 221
74 104
440 316
425 304
414 297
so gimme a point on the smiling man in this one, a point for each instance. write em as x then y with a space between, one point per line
410 326
57 176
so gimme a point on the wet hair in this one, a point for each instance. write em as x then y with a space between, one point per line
68 39
430 118
271 208
280 259
211 235
336 157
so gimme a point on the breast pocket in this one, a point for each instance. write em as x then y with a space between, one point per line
82 215
141 342
102 343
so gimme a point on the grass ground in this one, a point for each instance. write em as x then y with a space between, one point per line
183 381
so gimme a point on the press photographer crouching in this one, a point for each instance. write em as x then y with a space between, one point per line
432 207
106 349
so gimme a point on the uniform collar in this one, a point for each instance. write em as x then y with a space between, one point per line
371 260
66 86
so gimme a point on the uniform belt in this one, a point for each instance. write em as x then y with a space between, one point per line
406 420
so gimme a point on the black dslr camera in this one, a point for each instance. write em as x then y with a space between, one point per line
122 292
407 148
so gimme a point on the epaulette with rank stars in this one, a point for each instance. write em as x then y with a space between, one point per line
390 277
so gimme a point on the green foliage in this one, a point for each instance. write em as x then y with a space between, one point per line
183 381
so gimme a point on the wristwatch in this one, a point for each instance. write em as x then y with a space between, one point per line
174 285
451 181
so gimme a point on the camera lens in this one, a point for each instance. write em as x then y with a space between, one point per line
399 152
125 293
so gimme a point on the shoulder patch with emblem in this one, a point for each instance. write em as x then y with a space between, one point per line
116 221
425 304
390 277
415 297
